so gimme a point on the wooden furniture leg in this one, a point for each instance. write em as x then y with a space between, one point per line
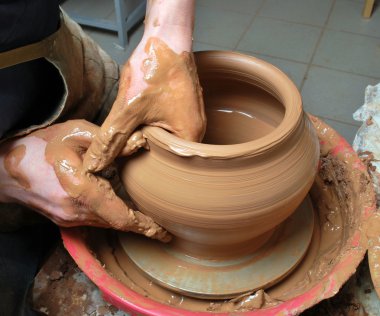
367 9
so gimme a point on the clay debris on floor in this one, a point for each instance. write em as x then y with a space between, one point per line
62 289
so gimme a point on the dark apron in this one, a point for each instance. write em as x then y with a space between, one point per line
90 78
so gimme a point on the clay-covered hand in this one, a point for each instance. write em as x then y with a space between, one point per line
44 170
165 93
159 85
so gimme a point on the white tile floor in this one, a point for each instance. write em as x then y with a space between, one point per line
329 51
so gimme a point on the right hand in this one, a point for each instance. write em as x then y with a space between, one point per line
44 170
158 87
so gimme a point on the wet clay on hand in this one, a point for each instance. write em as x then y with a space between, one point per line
93 194
72 196
172 100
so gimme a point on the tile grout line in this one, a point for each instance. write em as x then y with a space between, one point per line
346 72
250 24
219 46
317 46
289 22
353 33
213 7
318 26
315 65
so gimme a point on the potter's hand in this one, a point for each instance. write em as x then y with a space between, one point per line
159 85
44 171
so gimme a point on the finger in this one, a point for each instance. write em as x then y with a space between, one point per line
108 206
134 143
118 126
109 142
91 200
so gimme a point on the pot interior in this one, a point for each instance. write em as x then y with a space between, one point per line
238 110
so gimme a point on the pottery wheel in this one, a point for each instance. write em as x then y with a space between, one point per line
225 278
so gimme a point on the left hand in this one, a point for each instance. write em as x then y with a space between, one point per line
44 170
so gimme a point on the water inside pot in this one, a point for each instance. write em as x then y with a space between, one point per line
238 112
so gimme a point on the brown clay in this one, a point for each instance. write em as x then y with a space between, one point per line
339 210
11 164
259 162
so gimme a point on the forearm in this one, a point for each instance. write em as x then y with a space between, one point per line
172 21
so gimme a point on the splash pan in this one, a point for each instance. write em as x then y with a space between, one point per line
343 200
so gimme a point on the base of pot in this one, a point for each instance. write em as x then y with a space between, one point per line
218 279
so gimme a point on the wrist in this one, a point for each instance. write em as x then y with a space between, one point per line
170 13
178 39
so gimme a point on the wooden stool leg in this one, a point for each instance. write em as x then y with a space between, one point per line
368 7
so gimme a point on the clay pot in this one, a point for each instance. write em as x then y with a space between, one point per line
256 164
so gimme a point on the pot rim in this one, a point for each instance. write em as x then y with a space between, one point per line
269 78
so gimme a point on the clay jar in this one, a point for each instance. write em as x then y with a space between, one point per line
256 164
